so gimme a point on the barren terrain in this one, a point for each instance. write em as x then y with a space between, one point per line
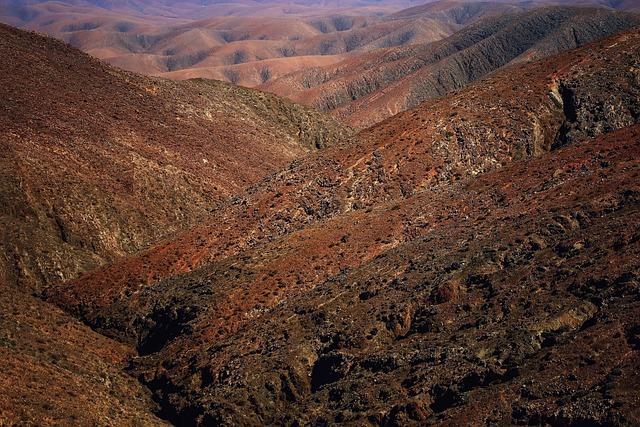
365 89
199 253
252 43
407 226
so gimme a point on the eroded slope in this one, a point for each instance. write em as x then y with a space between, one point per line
369 88
517 303
377 282
56 371
512 115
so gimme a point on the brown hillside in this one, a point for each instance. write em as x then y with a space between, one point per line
471 261
56 371
369 264
514 114
464 310
236 47
97 162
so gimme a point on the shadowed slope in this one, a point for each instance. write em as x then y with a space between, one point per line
484 301
56 371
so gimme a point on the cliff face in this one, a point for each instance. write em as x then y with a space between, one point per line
463 262
97 163
367 89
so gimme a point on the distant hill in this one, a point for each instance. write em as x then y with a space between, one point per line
193 9
250 43
366 89
239 48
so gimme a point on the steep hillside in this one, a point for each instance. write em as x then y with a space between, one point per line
512 115
97 162
516 303
369 88
379 281
460 12
629 5
56 371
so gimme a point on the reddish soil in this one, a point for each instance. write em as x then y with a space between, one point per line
57 371
475 260
517 303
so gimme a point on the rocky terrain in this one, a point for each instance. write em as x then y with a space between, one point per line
366 89
97 163
473 260
197 253
466 321
57 371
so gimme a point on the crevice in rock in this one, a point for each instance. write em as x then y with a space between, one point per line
569 109
64 235
164 325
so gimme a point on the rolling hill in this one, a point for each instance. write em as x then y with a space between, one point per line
214 46
195 9
242 48
199 253
368 88
251 43
97 163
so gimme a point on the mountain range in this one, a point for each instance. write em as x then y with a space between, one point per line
253 43
447 233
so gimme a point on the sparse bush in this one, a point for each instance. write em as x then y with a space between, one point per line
265 74
232 75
